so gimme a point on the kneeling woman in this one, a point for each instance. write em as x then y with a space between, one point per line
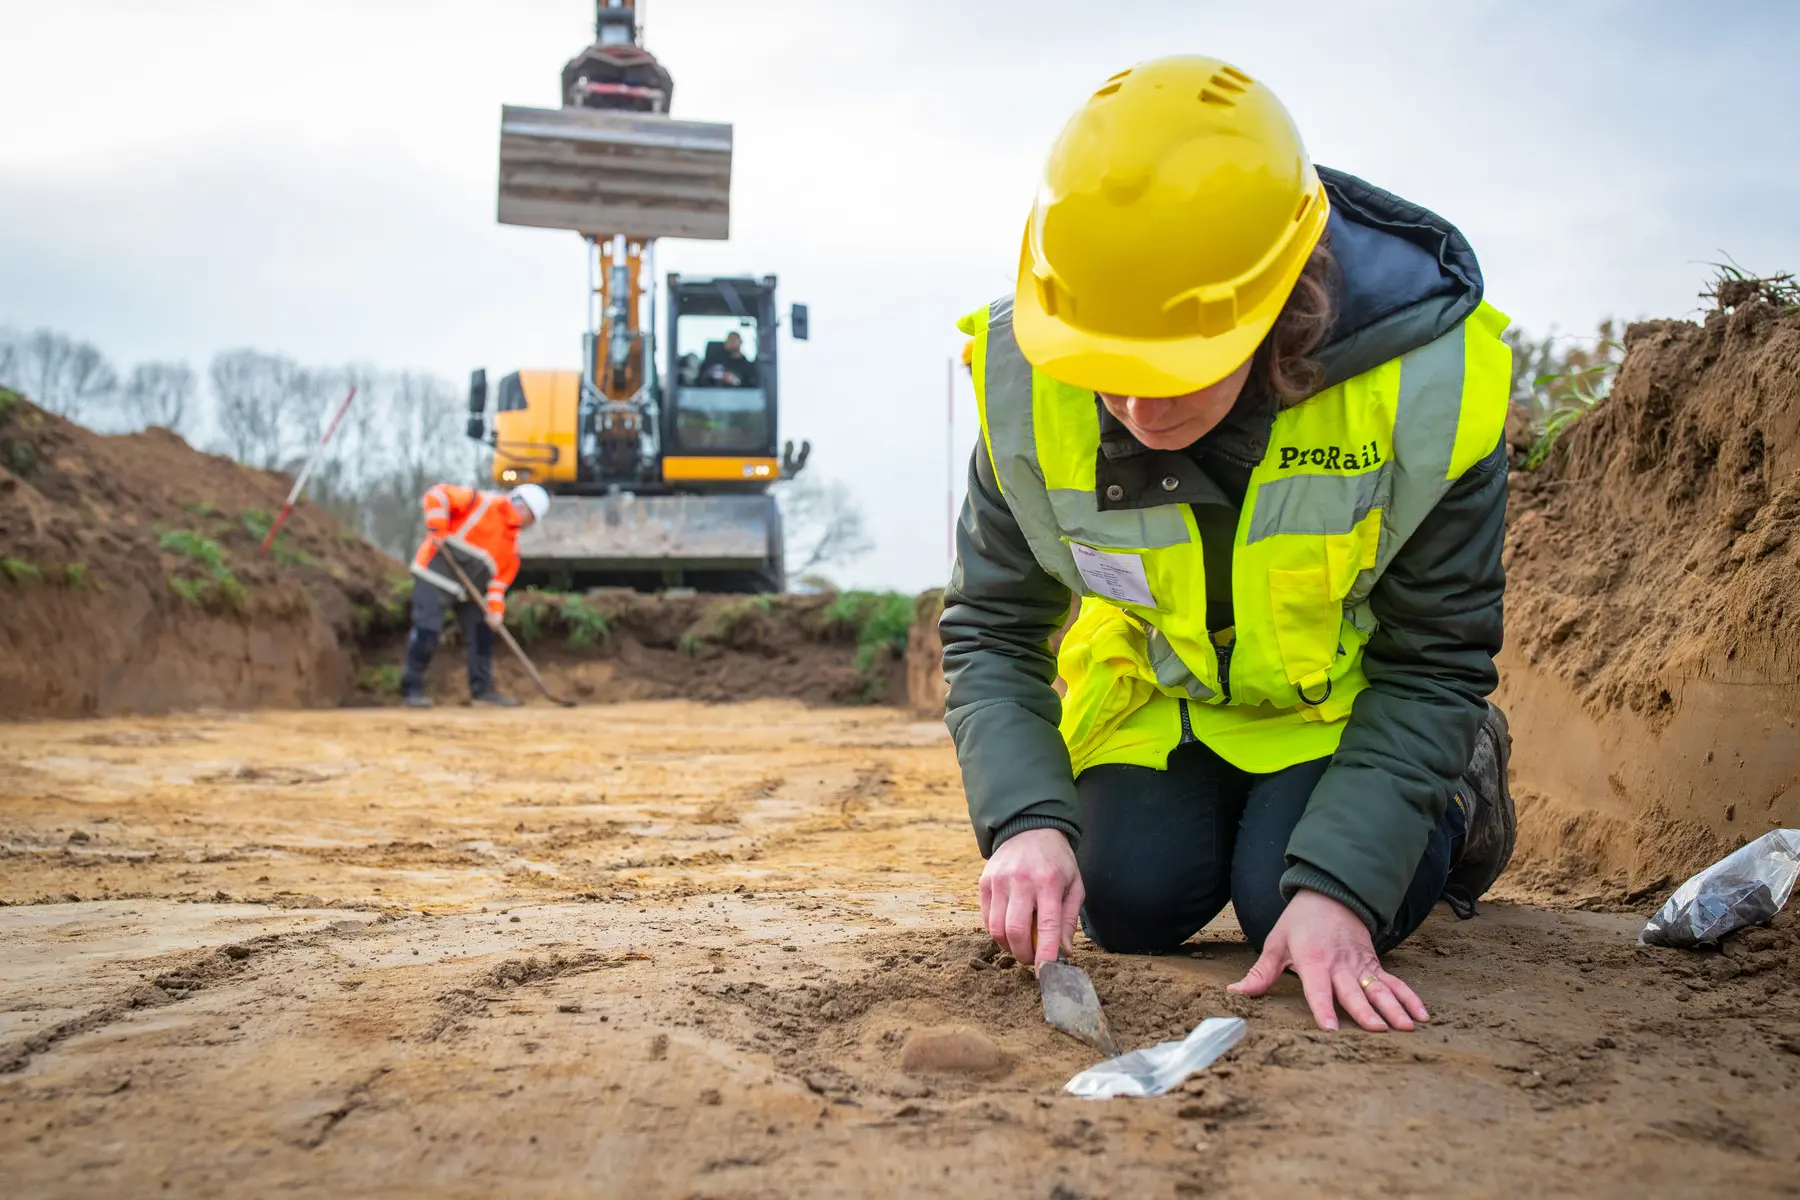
1250 412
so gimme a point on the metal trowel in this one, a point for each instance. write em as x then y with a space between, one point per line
1071 1005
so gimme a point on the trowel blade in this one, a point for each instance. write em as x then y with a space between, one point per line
1071 1005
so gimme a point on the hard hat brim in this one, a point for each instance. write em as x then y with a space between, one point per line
1128 366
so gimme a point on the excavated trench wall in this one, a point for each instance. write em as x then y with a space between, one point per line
1652 668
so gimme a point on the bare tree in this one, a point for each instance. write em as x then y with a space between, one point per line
57 372
823 526
422 423
159 394
251 393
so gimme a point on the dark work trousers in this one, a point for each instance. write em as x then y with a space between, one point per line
1163 851
429 603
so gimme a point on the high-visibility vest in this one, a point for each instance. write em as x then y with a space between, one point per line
482 529
1348 476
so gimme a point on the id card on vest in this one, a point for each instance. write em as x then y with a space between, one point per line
1115 575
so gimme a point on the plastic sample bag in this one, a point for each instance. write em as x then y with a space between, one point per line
1746 887
1159 1068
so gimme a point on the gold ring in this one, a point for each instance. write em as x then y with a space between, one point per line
1366 981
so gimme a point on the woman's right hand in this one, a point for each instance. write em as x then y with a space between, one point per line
1031 895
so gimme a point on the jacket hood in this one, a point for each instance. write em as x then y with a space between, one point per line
1407 276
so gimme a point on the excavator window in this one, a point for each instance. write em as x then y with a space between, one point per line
720 405
511 395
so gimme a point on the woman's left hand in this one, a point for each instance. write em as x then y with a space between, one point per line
1329 947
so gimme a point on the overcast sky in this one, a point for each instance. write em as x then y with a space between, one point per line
317 179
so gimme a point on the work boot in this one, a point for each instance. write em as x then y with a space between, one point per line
494 699
416 700
1492 827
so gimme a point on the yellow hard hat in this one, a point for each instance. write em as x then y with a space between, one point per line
1176 211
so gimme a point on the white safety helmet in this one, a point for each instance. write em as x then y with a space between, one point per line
535 499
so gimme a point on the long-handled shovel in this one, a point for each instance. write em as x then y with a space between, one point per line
462 577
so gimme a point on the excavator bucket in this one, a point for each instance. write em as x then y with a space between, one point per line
719 543
603 172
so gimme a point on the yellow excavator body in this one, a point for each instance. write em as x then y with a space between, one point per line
535 419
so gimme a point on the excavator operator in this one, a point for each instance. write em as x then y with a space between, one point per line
726 366
480 531
1250 412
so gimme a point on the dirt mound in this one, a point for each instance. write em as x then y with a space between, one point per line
613 645
1653 612
131 578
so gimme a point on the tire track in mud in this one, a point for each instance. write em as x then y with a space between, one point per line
187 974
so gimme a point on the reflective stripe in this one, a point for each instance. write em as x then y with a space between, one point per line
1079 515
1171 670
1424 441
1012 442
442 583
455 537
1317 504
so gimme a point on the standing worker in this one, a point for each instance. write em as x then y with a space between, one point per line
480 530
1250 412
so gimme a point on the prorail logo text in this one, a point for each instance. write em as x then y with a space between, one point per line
1332 458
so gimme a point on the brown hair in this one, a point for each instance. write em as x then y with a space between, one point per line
1284 366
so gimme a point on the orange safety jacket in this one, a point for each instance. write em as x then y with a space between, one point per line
482 530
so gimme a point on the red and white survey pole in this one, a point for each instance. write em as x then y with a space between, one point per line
305 471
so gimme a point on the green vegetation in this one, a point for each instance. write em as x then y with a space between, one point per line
200 548
20 571
587 625
207 554
75 575
881 620
9 400
1733 286
383 680
257 522
194 591
1558 381
531 613
199 508
19 457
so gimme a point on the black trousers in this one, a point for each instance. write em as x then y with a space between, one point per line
1162 852
429 604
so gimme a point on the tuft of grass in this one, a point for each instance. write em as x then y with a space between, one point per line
289 556
194 591
199 547
20 571
881 621
75 575
209 555
531 615
9 400
20 457
383 680
587 626
1732 286
690 645
257 522
199 508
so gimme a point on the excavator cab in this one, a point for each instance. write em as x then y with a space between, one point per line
721 390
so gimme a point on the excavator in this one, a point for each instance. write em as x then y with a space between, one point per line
662 477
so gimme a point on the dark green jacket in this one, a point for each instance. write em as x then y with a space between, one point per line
1407 277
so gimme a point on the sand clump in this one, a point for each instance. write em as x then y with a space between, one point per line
956 1050
1653 607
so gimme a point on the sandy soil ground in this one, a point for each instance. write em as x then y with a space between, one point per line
677 950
